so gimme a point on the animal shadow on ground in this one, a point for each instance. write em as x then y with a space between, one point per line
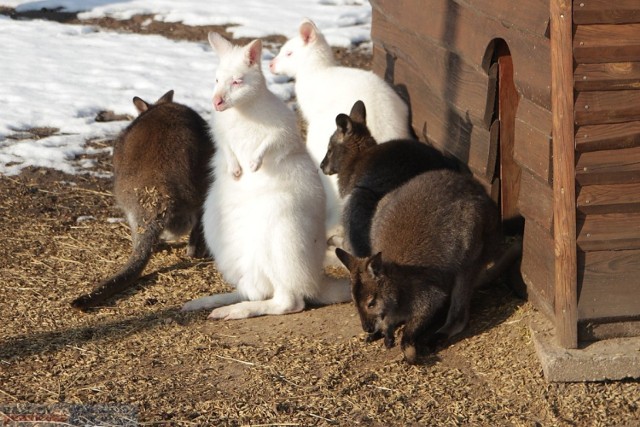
47 341
491 305
150 279
26 345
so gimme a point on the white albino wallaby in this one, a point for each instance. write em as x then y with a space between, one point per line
324 90
263 220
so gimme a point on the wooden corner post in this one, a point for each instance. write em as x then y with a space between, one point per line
564 198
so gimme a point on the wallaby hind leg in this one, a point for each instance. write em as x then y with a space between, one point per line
458 314
413 330
197 246
279 304
423 328
142 250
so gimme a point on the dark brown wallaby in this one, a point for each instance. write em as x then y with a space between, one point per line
161 175
432 239
367 171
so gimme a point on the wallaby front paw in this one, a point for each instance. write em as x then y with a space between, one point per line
236 172
335 241
255 164
389 341
374 336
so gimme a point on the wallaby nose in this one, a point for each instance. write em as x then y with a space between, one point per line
272 65
326 168
218 103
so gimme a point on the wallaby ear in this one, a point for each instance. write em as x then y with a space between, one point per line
374 265
141 105
308 31
219 43
344 124
359 113
167 97
253 52
346 258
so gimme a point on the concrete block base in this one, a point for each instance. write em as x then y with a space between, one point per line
611 359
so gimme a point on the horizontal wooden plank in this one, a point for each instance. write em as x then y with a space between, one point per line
606 11
538 267
608 232
532 149
466 31
608 167
537 115
447 75
607 328
608 198
532 19
592 108
608 285
608 136
606 43
607 76
438 122
535 201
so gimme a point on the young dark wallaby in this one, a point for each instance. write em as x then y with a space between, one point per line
161 175
432 238
367 171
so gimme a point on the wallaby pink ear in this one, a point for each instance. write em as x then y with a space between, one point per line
346 258
374 265
308 31
253 52
219 43
344 124
141 105
167 97
359 113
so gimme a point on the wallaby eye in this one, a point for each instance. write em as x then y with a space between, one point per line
236 82
372 302
289 53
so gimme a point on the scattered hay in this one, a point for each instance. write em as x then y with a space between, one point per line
310 368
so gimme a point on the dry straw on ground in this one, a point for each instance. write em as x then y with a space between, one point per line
311 368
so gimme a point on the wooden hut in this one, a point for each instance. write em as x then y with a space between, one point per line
542 100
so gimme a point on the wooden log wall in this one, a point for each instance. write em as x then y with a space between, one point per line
607 137
436 51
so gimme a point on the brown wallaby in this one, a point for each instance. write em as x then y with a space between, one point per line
367 171
161 175
432 239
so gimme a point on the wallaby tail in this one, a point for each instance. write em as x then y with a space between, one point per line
333 291
124 278
504 261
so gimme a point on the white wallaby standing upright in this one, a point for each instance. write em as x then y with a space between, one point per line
324 90
264 221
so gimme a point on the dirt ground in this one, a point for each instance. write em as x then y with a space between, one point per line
310 368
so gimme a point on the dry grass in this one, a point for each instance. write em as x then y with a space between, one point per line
311 368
